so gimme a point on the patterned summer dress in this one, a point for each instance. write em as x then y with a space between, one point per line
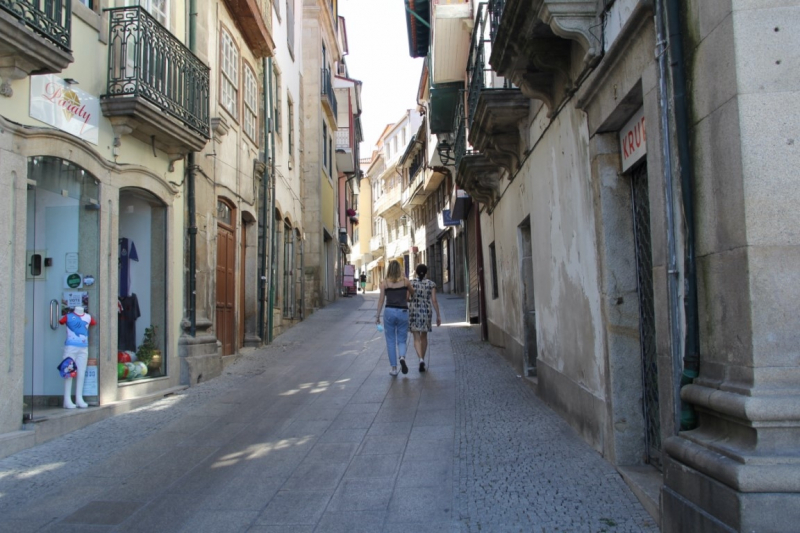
420 309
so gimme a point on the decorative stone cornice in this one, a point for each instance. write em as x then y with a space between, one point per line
535 47
496 130
574 20
480 178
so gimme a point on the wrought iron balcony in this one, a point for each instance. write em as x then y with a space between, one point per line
480 76
52 19
328 96
35 36
495 107
496 8
460 128
151 74
532 45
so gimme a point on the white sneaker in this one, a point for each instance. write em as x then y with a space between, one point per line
393 371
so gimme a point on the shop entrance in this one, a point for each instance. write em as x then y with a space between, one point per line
62 264
528 297
647 325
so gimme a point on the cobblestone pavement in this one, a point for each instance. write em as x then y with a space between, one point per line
311 434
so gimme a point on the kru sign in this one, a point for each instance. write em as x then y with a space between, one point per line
633 140
55 102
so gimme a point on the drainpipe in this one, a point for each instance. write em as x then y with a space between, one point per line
191 198
262 241
271 216
670 34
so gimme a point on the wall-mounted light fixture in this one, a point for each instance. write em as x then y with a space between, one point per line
445 151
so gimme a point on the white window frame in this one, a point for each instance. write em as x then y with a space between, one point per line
250 103
277 102
290 133
229 80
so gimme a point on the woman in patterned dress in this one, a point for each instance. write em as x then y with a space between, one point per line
420 312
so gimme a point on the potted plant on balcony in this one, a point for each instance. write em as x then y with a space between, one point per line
354 221
351 212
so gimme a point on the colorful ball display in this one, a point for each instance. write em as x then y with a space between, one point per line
133 370
122 371
142 368
123 357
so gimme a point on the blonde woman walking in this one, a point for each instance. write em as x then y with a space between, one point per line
420 312
395 290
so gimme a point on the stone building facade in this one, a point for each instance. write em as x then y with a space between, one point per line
624 161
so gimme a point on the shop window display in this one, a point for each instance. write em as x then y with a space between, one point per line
142 287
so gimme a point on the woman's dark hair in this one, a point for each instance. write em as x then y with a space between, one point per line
421 270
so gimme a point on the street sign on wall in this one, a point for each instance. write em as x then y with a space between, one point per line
633 140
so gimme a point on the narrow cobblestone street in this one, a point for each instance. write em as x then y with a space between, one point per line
312 434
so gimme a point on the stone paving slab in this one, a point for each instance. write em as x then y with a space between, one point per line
312 435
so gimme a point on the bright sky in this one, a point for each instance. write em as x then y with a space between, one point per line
378 42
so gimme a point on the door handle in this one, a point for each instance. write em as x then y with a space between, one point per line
54 306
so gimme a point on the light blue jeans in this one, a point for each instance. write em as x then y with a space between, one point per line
395 327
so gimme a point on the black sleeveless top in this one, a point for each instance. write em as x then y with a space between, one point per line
396 297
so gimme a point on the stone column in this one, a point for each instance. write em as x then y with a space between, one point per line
740 469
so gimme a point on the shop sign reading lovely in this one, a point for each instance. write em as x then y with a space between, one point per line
55 102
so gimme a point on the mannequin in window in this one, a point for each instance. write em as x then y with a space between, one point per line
76 346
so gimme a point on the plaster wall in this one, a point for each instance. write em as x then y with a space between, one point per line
365 213
554 188
558 180
312 114
288 193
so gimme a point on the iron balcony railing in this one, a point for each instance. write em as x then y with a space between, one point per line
476 68
415 169
496 8
326 90
51 19
146 61
460 129
480 76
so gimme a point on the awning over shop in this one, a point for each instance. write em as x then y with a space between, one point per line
418 23
374 264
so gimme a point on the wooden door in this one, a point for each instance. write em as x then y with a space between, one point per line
226 287
242 278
